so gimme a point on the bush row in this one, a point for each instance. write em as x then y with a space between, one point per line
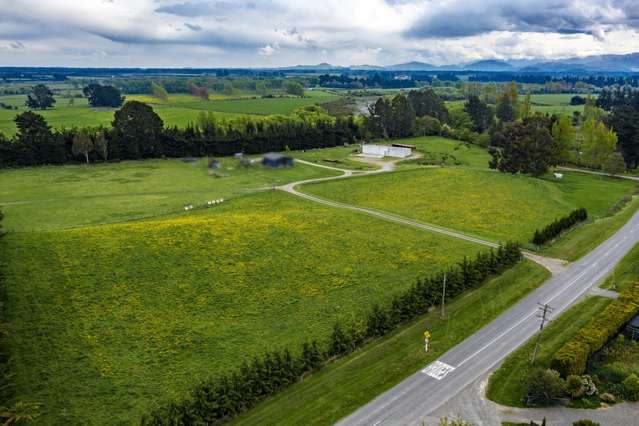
558 226
218 400
573 357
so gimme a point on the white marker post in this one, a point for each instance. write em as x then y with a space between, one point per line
426 340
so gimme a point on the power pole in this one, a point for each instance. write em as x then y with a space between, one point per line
544 309
444 298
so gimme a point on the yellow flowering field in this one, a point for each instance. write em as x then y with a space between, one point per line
486 203
107 321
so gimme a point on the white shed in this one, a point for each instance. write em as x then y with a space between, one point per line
386 151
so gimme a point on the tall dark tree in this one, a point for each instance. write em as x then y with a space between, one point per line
379 117
526 147
506 111
479 111
34 138
103 96
624 120
403 117
427 102
137 132
41 97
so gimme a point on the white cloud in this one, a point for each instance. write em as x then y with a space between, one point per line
210 33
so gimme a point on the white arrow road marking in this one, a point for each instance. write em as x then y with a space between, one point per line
438 370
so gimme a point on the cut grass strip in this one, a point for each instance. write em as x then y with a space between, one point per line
625 273
507 384
351 382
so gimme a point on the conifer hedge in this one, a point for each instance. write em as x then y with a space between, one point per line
553 230
572 358
218 400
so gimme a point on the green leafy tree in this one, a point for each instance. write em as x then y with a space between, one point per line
506 111
82 144
563 133
614 164
34 138
101 144
631 387
574 386
427 102
524 147
137 131
544 387
598 143
585 422
294 88
103 96
41 97
403 117
159 91
625 121
480 113
526 107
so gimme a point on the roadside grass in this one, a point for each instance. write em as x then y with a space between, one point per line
507 384
342 387
483 203
106 322
46 198
583 238
625 273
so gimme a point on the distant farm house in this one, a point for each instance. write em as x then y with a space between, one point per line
395 150
273 159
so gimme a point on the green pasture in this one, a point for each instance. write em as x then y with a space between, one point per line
46 198
178 110
479 202
106 322
342 387
464 153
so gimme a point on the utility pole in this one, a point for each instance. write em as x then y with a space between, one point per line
544 309
444 298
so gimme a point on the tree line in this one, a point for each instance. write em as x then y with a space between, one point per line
220 399
553 230
137 132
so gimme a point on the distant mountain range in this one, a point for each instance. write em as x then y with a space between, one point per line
607 63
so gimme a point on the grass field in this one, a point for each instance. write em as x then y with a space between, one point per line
339 157
44 198
178 110
107 321
342 387
507 384
465 153
479 202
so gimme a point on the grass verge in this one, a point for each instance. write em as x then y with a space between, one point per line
349 383
507 384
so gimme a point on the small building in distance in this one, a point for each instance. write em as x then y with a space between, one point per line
399 151
275 159
632 329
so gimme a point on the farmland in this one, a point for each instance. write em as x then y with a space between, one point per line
491 205
107 321
177 110
47 198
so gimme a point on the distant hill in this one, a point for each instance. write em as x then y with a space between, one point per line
489 65
412 66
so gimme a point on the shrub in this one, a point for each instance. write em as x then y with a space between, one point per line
553 230
572 358
607 397
585 422
220 399
574 386
544 387
631 387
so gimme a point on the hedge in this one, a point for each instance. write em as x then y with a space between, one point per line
572 357
558 226
218 400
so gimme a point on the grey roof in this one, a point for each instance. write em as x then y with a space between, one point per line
274 156
634 322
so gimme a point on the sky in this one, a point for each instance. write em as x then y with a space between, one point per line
273 33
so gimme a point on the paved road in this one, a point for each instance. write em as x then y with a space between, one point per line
421 394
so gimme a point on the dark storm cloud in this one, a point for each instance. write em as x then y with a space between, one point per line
472 17
193 27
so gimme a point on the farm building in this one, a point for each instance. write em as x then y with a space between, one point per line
386 150
273 159
632 329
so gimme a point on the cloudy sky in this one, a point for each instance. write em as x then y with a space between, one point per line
233 33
